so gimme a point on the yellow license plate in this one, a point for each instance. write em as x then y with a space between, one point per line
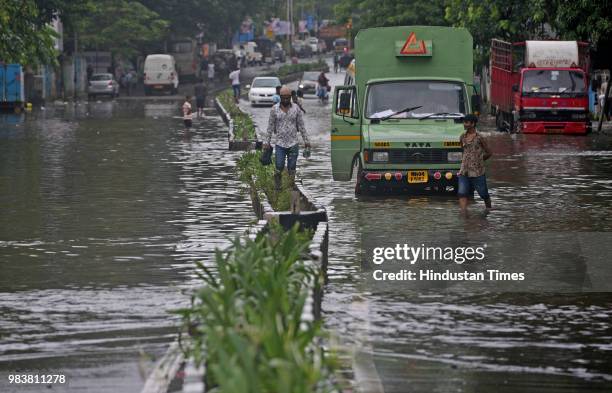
417 177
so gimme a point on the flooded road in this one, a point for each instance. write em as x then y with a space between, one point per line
105 207
552 220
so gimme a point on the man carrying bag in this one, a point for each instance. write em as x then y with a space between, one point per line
285 122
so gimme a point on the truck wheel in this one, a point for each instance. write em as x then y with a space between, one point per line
358 181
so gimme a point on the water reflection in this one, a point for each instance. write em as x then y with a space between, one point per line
552 218
106 206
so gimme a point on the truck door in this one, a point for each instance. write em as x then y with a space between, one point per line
345 132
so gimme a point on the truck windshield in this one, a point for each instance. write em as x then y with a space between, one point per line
546 82
444 99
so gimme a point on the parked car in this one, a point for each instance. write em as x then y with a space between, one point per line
160 74
103 83
308 82
279 53
313 42
301 49
262 89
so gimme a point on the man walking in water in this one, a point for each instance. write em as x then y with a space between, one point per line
472 173
285 123
200 95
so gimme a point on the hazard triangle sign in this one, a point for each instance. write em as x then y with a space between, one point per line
413 47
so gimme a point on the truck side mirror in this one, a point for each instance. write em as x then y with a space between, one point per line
475 103
515 88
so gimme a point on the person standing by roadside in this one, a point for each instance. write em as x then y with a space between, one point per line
285 122
235 78
89 71
336 63
211 72
472 173
187 114
200 95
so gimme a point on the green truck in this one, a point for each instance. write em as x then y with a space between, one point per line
397 125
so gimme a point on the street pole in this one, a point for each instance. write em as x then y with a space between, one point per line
604 107
76 46
289 35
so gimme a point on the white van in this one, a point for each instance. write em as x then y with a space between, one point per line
160 74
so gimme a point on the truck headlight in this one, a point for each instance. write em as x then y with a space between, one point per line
454 156
380 156
578 116
301 86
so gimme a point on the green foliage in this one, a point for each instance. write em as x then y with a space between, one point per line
244 128
121 26
261 178
288 69
511 20
376 13
24 36
584 20
246 322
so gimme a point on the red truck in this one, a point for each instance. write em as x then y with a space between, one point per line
540 86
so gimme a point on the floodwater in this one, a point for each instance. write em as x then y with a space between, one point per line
551 221
104 209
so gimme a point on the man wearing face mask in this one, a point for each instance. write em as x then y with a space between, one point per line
284 124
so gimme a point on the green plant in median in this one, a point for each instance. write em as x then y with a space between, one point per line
261 178
246 322
288 69
244 128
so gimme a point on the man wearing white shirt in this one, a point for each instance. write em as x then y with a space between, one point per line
235 78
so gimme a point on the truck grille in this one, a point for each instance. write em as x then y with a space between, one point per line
419 156
541 115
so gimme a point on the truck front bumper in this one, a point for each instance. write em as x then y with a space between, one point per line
553 127
437 180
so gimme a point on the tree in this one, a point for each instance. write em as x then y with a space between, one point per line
374 13
25 37
124 27
589 21
511 20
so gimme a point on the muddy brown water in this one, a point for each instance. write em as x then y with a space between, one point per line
105 208
552 221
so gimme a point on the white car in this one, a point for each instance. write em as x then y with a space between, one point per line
314 44
262 89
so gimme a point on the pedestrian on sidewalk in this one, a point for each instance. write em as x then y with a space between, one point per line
235 78
211 72
472 173
285 122
336 63
187 114
200 95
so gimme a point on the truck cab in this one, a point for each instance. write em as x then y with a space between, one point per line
540 86
398 126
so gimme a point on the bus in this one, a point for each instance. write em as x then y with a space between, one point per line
185 53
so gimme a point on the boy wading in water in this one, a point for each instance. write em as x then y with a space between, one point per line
187 113
472 173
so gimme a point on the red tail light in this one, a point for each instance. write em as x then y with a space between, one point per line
373 176
171 76
110 83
